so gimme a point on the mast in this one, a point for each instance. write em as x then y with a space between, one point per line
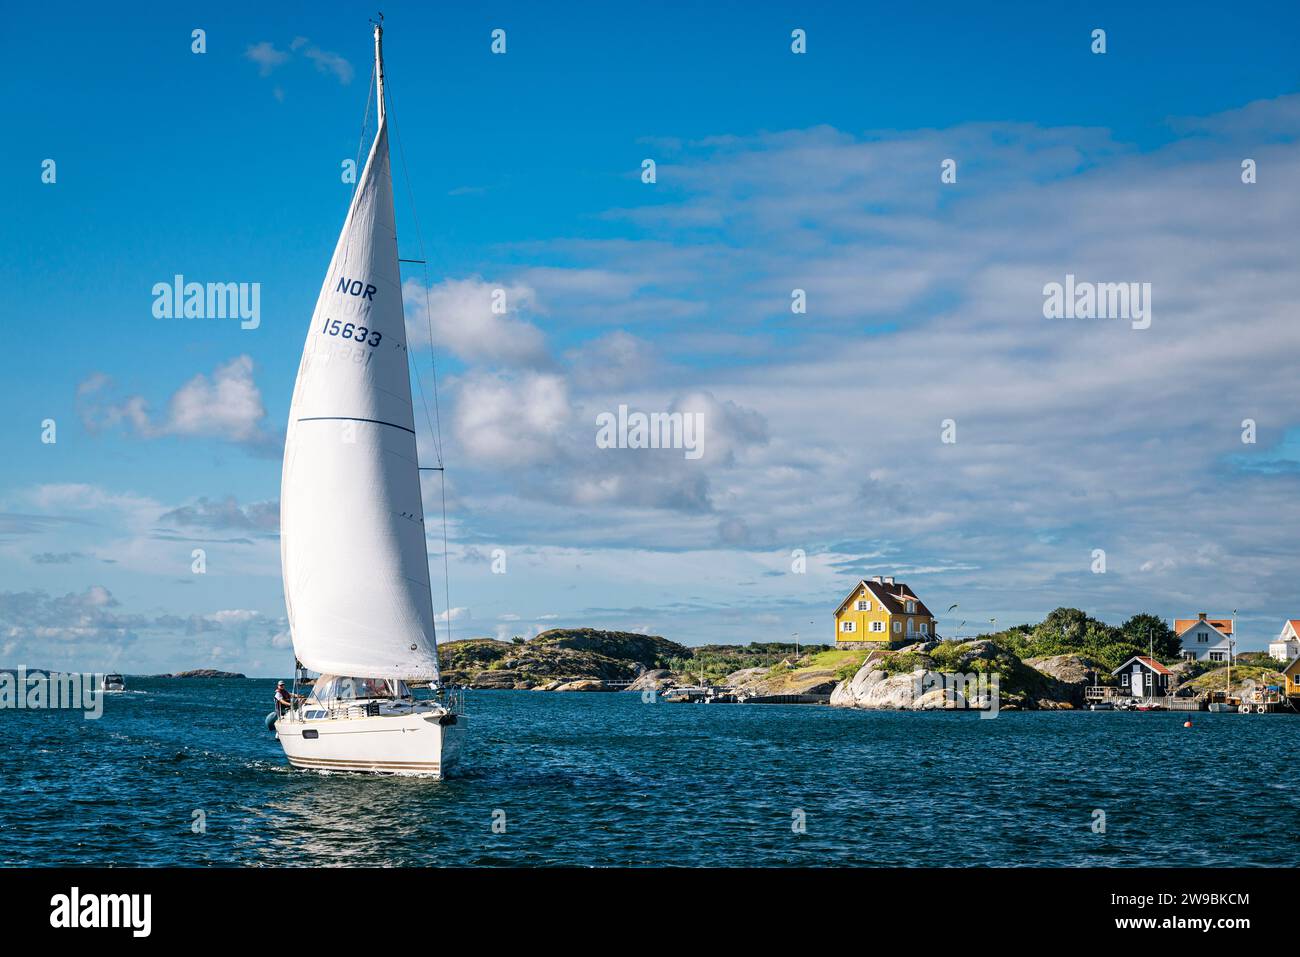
379 70
352 427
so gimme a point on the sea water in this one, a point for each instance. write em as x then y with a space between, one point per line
183 772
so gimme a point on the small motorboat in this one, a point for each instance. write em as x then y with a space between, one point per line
113 683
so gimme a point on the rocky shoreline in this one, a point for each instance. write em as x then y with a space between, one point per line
591 660
1042 667
923 677
563 659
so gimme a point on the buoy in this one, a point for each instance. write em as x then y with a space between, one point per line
1187 723
270 721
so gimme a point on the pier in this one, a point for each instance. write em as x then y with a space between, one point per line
1263 701
711 695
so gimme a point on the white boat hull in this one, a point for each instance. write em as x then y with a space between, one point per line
427 743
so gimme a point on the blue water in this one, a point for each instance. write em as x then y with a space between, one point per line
605 779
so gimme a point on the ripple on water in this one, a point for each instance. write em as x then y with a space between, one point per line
590 779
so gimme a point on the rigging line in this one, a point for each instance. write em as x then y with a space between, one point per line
446 568
361 144
361 141
435 425
437 422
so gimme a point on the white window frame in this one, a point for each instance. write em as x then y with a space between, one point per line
1123 679
847 627
864 605
911 607
898 627
877 626
925 627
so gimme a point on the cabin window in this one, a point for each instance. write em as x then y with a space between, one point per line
846 626
1123 679
925 627
911 607
898 627
330 689
864 606
877 626
1201 637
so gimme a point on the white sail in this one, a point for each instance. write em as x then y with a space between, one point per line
352 542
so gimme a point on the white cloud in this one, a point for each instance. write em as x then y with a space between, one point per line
225 404
266 56
617 359
464 321
511 420
225 514
925 305
269 59
327 62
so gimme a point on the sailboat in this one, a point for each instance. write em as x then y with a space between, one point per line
352 535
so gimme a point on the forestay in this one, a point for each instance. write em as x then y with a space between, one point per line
352 542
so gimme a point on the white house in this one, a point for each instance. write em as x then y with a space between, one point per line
1286 646
1204 638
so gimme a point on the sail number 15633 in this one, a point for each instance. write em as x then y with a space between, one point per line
350 330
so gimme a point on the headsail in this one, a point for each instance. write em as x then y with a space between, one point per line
352 543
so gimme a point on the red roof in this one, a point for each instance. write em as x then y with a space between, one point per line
1221 625
1151 663
892 597
1154 665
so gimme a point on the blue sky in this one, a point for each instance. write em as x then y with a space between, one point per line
775 171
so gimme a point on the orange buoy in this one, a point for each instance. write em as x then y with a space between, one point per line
1187 723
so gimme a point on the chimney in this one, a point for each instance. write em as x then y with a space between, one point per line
876 579
1202 616
889 579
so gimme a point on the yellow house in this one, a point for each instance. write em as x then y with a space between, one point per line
881 611
1292 674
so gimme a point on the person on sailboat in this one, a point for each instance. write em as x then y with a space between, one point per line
285 699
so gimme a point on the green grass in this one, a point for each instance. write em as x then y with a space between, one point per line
1217 680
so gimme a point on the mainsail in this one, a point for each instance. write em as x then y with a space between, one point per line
352 544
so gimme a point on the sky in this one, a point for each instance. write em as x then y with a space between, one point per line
922 417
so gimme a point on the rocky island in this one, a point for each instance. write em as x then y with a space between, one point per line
563 659
1047 666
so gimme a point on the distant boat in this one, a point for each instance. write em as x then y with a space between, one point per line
113 683
352 539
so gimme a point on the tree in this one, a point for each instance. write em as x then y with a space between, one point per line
1146 631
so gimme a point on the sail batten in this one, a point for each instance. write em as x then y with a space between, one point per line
352 540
